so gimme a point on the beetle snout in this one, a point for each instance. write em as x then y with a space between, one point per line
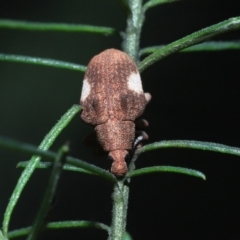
119 166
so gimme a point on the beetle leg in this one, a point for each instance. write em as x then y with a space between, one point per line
141 123
148 97
141 136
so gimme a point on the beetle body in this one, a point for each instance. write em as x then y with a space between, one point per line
112 98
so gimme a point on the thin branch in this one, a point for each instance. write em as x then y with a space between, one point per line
156 169
26 174
42 61
206 146
61 225
62 27
190 40
206 46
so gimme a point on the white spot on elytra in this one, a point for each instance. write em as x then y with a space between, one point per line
86 88
135 83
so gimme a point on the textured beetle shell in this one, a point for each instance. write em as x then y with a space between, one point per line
112 98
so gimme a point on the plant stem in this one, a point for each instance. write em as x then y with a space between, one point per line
119 212
133 30
121 188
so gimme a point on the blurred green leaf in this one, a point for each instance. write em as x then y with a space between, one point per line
1 236
153 3
60 225
127 236
156 169
49 194
26 174
190 40
44 165
74 162
42 61
206 46
62 27
125 6
206 146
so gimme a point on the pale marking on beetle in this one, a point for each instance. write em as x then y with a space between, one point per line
86 88
134 83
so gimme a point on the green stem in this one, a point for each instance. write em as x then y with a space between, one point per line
190 40
133 30
121 189
42 61
26 174
119 212
63 27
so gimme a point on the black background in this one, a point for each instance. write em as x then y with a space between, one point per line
195 97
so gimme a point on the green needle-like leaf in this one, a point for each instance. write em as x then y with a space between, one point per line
28 148
207 146
82 224
44 165
127 236
61 27
190 40
1 236
126 8
42 61
61 225
153 3
156 169
206 46
50 191
26 174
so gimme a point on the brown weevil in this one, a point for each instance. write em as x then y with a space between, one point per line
112 99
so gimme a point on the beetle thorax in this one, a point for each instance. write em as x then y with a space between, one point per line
115 134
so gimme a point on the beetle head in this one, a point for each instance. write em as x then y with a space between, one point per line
119 166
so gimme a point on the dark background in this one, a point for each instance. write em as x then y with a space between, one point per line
195 97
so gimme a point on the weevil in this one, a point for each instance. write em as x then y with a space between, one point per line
112 99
